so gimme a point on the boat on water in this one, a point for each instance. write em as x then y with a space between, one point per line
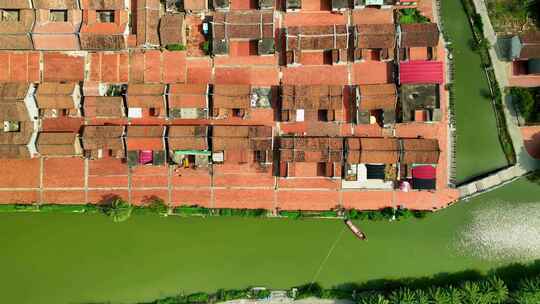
359 234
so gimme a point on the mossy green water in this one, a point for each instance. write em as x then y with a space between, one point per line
74 258
478 148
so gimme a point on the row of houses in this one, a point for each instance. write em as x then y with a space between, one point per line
88 24
363 104
358 162
341 43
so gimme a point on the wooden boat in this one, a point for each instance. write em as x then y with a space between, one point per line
359 234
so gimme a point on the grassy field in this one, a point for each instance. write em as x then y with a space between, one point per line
478 147
64 258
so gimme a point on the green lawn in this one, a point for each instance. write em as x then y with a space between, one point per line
478 147
65 258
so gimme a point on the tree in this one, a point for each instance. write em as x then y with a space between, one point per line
472 294
157 205
438 295
421 297
454 295
118 209
402 296
373 299
495 290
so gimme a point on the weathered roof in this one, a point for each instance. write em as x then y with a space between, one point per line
231 96
195 5
14 152
188 138
56 4
188 95
420 151
312 97
146 95
92 41
419 35
104 106
530 45
321 37
22 137
56 143
145 131
14 4
13 111
14 35
372 150
103 137
375 36
242 137
311 149
171 29
377 96
252 24
55 95
147 22
10 91
102 4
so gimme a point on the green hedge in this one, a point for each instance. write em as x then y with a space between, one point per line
175 47
485 290
49 208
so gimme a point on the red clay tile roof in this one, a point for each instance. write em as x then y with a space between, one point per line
419 35
420 151
311 149
312 97
102 4
317 37
372 150
147 22
145 138
378 96
375 36
11 91
56 4
57 143
103 137
195 5
231 96
171 29
188 96
243 25
146 95
55 95
104 106
14 35
241 138
188 138
421 72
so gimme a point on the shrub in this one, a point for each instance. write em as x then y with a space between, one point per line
411 15
260 293
206 47
200 297
158 206
191 210
64 208
118 210
175 47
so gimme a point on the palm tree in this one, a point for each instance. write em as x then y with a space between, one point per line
373 299
421 297
438 295
495 290
455 296
472 294
402 296
119 210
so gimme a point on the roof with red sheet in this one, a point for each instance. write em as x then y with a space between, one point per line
424 172
418 72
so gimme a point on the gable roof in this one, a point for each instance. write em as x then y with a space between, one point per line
171 29
55 95
103 137
377 96
146 95
188 138
321 37
102 4
372 150
241 138
252 24
10 91
56 4
14 35
145 138
104 106
231 96
420 151
147 22
311 149
57 143
419 35
375 36
312 97
188 96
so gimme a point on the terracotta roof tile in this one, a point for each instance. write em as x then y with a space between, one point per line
419 35
243 25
